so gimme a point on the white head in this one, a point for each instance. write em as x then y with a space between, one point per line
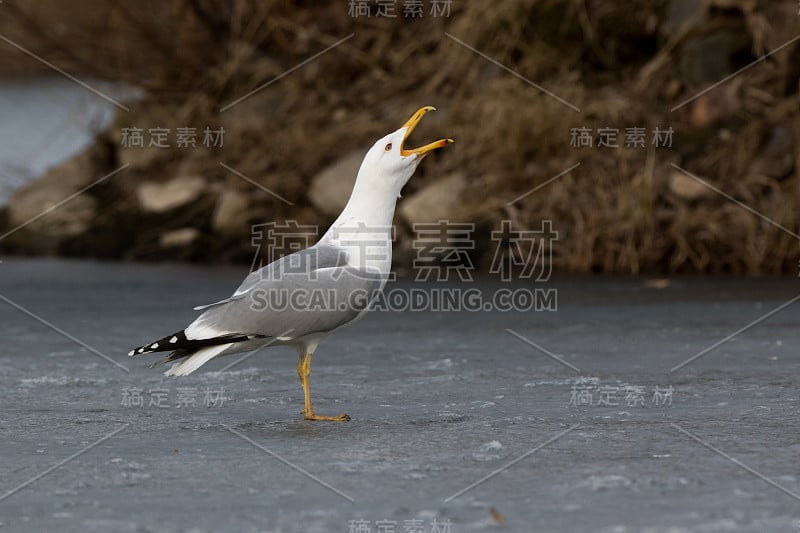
389 163
368 214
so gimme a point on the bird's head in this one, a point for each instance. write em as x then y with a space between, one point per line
389 159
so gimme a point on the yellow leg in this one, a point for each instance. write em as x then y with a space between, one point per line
303 372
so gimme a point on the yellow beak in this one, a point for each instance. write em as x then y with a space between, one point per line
410 125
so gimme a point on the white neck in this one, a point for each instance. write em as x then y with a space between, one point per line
365 223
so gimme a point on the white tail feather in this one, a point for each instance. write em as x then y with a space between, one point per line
196 360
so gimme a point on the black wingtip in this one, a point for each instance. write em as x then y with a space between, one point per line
177 342
173 356
170 343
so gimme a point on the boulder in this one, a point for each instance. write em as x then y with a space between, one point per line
231 213
53 208
709 57
178 238
331 187
156 197
441 200
687 188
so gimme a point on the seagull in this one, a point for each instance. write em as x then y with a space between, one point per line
347 268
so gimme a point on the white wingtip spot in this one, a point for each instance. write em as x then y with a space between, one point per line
132 352
141 350
154 346
173 340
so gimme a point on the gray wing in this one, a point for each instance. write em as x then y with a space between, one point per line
309 260
312 291
292 305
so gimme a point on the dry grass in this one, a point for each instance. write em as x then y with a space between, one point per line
618 62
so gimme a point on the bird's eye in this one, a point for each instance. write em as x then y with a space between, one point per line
388 147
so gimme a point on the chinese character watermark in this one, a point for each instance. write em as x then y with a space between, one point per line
633 138
443 249
184 397
591 395
278 240
443 253
412 525
530 252
410 9
158 137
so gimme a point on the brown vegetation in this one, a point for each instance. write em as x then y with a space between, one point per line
623 64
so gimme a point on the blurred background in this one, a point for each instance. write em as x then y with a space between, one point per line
647 131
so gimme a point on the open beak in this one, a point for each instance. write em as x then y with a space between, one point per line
410 125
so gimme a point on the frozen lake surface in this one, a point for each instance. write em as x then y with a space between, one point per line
439 401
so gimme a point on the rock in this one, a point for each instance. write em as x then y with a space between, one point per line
142 141
178 238
657 283
709 57
330 188
38 206
45 194
687 188
157 197
441 200
231 213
